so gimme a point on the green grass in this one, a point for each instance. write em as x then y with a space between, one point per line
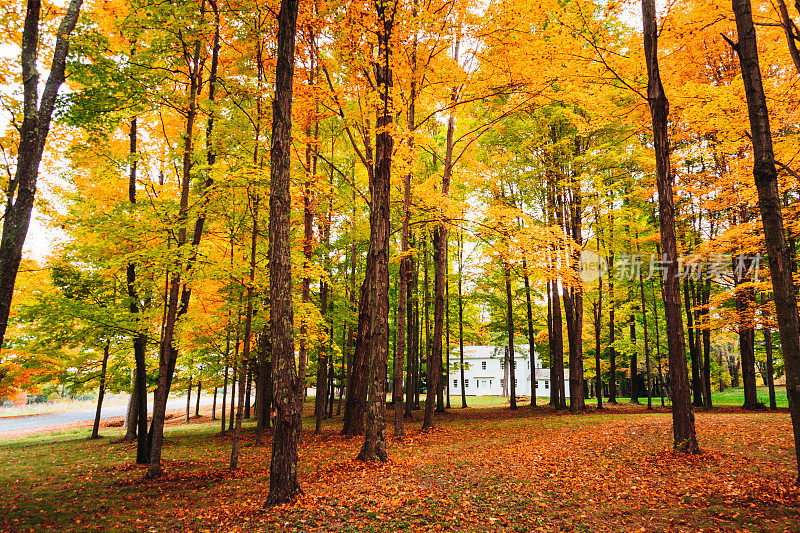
735 397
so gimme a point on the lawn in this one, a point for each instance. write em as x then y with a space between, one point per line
483 469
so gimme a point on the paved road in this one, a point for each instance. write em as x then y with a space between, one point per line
82 415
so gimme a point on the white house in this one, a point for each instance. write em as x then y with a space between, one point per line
485 372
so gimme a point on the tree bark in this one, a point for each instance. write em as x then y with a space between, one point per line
248 330
697 382
188 399
179 294
531 341
374 447
288 389
766 178
512 379
140 339
612 328
684 438
101 393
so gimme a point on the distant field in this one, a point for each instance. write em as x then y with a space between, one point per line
729 397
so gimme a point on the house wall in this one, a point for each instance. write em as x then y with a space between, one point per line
485 374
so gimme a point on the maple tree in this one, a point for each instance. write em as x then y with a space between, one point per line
434 173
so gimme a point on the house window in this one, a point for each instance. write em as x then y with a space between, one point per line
515 383
466 383
455 383
535 384
546 384
515 365
502 364
483 365
502 382
490 382
529 364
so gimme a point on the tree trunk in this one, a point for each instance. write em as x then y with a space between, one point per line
374 447
697 382
512 379
197 404
646 343
180 293
706 332
248 391
102 393
214 405
188 399
531 341
225 384
248 330
132 415
612 328
684 438
140 339
288 388
557 351
234 373
770 370
658 346
410 333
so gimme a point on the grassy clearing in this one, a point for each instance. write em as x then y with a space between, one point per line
482 469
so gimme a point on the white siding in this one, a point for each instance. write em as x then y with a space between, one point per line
485 376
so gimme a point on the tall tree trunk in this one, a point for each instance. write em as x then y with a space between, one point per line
684 438
36 118
770 377
197 403
461 316
697 382
140 339
745 300
410 333
248 391
248 332
356 400
374 447
512 364
557 351
598 317
101 393
658 347
188 398
446 370
214 405
180 292
288 389
531 341
225 383
234 373
646 343
706 332
132 414
612 328
323 376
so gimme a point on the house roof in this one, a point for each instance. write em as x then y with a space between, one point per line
487 352
521 351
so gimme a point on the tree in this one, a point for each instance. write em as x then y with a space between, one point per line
766 178
37 114
683 431
374 447
288 390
